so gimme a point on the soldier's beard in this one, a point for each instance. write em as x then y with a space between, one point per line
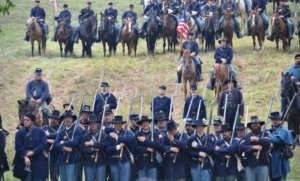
256 129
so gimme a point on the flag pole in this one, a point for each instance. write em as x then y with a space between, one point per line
53 16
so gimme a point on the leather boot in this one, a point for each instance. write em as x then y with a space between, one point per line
211 84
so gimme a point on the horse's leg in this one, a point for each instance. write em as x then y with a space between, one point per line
283 43
254 43
110 44
123 47
61 49
104 47
89 45
39 42
185 89
128 48
83 49
32 47
164 44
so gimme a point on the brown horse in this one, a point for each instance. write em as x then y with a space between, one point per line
36 34
188 70
280 31
221 74
169 31
129 37
64 36
228 26
257 29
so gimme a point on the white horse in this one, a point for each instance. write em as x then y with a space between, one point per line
241 10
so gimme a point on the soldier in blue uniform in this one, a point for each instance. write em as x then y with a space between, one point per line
160 121
194 48
195 105
108 118
40 15
143 148
100 100
67 105
128 14
65 14
174 143
284 13
51 133
280 137
199 152
298 29
172 7
209 10
68 148
83 122
230 4
224 151
240 130
83 15
190 131
256 170
216 135
162 103
30 161
120 167
3 157
259 5
195 10
134 128
151 7
90 146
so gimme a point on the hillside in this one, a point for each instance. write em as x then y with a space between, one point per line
258 72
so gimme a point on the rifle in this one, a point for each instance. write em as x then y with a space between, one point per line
200 103
246 121
100 81
120 99
172 99
225 109
152 123
267 118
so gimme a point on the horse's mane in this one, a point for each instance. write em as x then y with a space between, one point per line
186 53
31 20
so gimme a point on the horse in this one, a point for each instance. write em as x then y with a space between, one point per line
211 26
221 74
192 24
241 9
36 34
228 26
88 29
152 32
64 36
188 70
129 37
288 90
280 31
108 35
257 29
25 106
169 31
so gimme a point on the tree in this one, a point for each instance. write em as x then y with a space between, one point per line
4 9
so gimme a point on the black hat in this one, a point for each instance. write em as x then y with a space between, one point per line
191 33
143 118
159 117
134 116
162 87
89 3
199 123
240 126
131 5
108 111
37 1
86 108
110 3
104 84
171 125
38 70
68 104
275 115
232 79
68 114
217 121
65 5
31 116
254 119
193 87
54 114
223 39
93 118
297 55
118 119
225 127
189 121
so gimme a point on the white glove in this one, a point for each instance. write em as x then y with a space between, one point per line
170 11
194 144
194 12
118 147
202 154
210 14
271 145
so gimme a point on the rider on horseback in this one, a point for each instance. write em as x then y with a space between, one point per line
284 13
194 48
202 5
209 11
223 55
151 7
40 15
194 10
128 14
84 14
230 4
173 9
260 6
65 14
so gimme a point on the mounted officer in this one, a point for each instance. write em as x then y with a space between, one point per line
90 146
134 128
281 139
195 10
230 4
190 130
172 7
194 48
162 103
209 11
260 6
240 130
112 15
84 121
40 16
30 161
65 14
83 15
235 97
51 133
284 13
151 7
202 5
195 105
3 157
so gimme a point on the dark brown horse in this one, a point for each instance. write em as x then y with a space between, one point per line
257 29
129 37
188 70
88 30
228 26
64 37
169 31
36 34
221 74
280 31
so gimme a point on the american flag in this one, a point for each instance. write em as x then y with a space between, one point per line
55 5
183 27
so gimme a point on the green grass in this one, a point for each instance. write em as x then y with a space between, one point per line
257 72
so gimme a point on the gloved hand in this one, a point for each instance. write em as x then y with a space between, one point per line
145 16
202 154
194 12
170 11
180 49
193 54
271 145
194 144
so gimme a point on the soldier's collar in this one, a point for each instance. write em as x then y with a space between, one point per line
69 127
146 131
200 135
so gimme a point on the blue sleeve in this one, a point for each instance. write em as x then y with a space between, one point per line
126 138
19 147
263 4
185 109
265 141
234 8
223 8
91 12
57 146
153 144
2 142
146 10
276 140
229 57
69 16
165 144
123 16
28 90
84 150
135 16
190 8
220 105
105 12
31 13
45 94
196 47
52 135
116 14
182 143
137 147
57 17
43 143
217 56
231 150
110 147
190 151
76 140
113 102
243 146
102 143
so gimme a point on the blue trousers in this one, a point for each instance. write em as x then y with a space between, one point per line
79 170
226 178
196 58
198 21
54 171
150 174
198 174
33 178
236 23
120 171
241 176
67 172
247 6
290 26
95 173
258 173
231 70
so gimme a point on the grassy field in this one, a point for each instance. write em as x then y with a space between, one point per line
259 73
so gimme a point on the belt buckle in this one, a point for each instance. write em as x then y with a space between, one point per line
160 111
145 154
92 156
193 112
118 156
255 153
172 154
200 159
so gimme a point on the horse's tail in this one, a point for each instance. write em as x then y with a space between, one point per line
44 44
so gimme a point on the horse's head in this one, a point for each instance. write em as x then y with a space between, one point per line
286 84
129 24
215 21
31 23
152 15
24 107
254 17
63 26
228 14
187 60
275 19
104 21
94 23
165 20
